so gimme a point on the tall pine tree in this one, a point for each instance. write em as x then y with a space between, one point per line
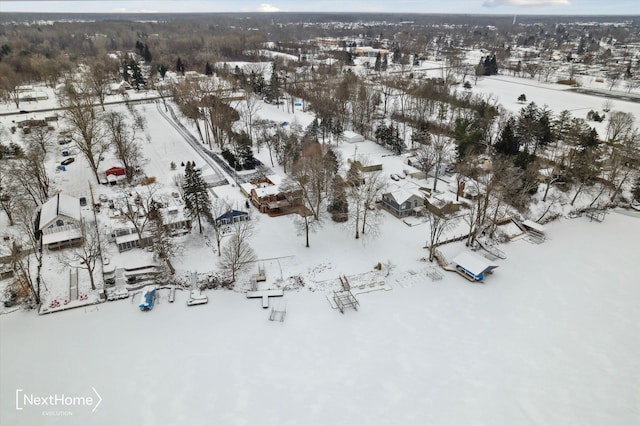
508 143
196 197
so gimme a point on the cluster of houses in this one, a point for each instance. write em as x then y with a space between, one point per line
59 222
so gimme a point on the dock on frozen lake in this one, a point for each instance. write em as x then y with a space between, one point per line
265 295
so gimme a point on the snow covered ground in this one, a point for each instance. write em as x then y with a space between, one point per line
551 338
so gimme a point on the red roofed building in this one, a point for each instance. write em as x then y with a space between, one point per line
115 171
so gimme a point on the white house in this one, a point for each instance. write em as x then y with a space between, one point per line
60 221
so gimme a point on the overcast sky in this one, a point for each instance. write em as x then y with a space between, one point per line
510 7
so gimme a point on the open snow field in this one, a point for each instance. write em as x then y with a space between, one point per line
551 338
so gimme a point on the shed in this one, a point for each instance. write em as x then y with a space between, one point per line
115 171
352 137
472 266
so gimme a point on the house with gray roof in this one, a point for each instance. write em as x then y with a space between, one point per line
60 222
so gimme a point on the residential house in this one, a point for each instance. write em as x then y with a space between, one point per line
402 202
175 220
60 222
232 216
268 198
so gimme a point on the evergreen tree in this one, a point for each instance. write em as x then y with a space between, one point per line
339 205
137 80
354 176
146 54
162 70
468 134
274 85
196 196
396 144
508 143
208 70
378 63
382 133
313 130
337 130
397 54
348 58
493 63
490 65
421 136
179 66
244 153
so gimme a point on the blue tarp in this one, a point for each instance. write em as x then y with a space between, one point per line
147 300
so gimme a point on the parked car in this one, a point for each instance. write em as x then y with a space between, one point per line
67 161
395 177
64 141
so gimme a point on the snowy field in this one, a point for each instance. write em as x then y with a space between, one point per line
551 338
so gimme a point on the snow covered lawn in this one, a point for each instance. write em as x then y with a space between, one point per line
552 338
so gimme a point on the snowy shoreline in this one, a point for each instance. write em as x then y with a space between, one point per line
551 337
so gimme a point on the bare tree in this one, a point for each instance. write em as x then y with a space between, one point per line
532 68
583 170
237 254
218 208
161 242
553 173
485 186
31 175
98 76
619 126
631 84
86 126
619 166
613 78
135 209
268 137
10 82
248 112
438 224
187 95
22 256
87 255
10 195
125 142
40 137
363 192
441 149
310 177
163 88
